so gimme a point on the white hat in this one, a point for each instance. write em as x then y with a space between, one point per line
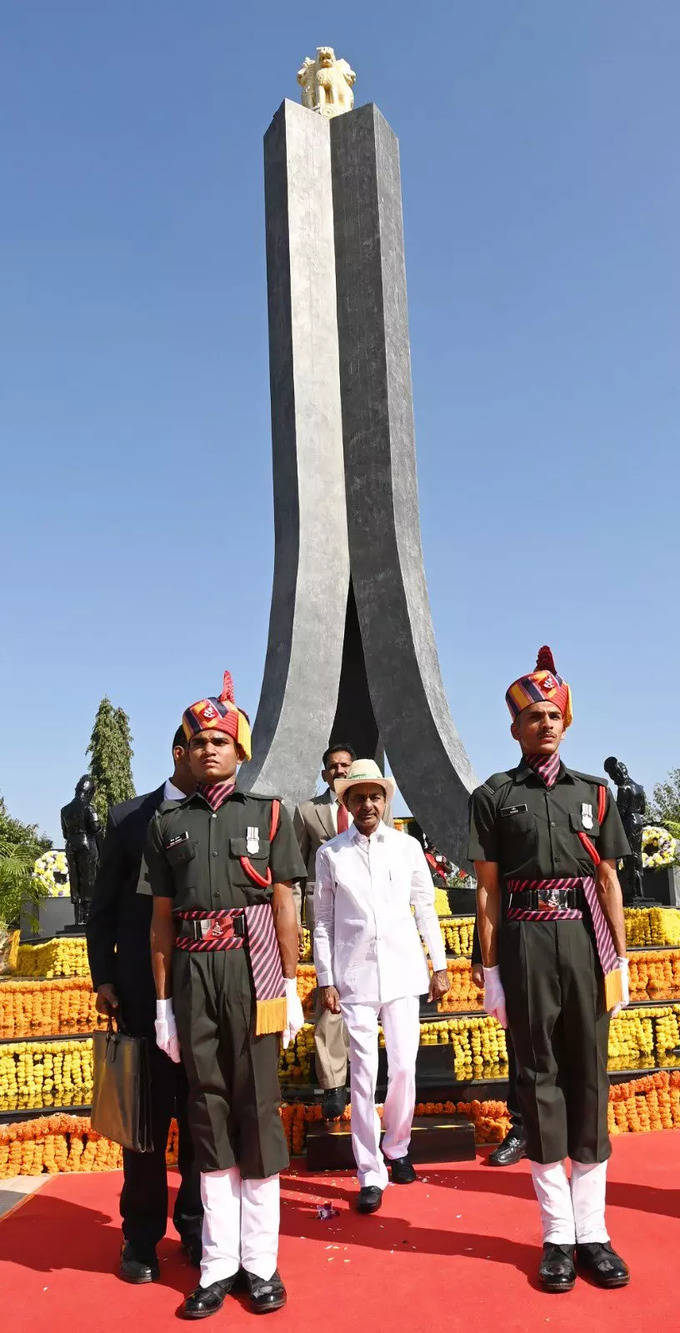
365 770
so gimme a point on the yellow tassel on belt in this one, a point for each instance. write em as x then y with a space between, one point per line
270 1016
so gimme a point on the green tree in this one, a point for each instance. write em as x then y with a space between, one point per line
665 805
110 749
20 847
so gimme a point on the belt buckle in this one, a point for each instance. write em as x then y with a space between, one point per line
238 922
213 930
549 900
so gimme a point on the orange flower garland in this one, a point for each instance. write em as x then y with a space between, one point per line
47 1008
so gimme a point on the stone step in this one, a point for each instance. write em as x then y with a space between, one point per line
434 1138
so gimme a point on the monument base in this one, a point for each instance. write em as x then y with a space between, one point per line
434 1138
47 918
661 887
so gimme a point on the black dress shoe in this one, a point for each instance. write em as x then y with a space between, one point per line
603 1264
512 1149
204 1301
192 1247
370 1199
137 1268
556 1270
265 1294
333 1103
401 1170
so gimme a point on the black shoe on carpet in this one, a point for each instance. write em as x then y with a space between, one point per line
192 1248
512 1149
603 1265
265 1294
204 1301
137 1268
401 1170
370 1199
333 1103
556 1270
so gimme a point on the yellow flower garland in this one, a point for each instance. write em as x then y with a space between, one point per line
62 957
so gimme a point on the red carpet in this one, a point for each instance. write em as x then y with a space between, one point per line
458 1249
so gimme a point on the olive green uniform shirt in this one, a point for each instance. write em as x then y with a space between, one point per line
193 854
531 831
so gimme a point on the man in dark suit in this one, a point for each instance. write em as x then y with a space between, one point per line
120 963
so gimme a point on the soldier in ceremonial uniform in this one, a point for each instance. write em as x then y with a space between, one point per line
545 840
224 952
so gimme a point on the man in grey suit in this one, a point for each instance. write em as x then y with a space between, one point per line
315 822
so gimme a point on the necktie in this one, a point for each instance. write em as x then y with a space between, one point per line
343 819
546 766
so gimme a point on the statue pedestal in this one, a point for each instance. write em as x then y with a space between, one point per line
53 915
663 886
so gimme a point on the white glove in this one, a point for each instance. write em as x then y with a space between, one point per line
166 1030
494 995
295 1017
625 987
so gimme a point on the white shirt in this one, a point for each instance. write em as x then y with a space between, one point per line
171 792
366 940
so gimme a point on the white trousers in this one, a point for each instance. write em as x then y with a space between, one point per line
401 1027
240 1225
571 1214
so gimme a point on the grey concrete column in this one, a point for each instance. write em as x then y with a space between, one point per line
311 568
425 751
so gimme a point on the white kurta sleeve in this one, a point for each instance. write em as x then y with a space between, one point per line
324 915
422 900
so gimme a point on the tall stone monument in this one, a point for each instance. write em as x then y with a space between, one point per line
351 652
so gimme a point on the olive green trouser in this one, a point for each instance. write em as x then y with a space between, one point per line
554 995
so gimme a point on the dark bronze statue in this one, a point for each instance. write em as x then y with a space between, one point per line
83 842
632 804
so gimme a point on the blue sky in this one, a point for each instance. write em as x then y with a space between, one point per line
541 197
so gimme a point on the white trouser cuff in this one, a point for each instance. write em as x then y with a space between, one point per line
260 1216
554 1200
588 1191
221 1233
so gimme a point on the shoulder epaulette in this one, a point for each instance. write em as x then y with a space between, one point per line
589 777
258 796
498 780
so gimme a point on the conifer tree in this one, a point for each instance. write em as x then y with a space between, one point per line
110 749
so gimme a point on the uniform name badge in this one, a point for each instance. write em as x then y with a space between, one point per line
253 841
587 815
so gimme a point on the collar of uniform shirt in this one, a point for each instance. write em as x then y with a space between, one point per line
546 766
171 792
215 793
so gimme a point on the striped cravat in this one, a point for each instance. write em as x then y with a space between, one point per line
215 793
545 766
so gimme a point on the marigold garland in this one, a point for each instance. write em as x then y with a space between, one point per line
62 957
47 1008
655 926
68 1143
36 1074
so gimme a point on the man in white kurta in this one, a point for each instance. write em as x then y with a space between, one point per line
370 965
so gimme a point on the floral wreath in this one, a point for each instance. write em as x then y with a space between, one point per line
50 873
658 847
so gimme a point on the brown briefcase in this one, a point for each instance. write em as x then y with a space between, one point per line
121 1095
